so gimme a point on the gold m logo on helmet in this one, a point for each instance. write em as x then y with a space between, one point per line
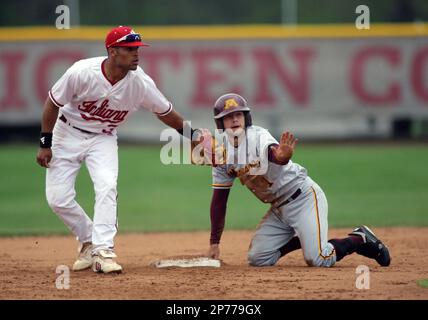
230 103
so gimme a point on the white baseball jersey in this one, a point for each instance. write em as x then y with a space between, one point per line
91 102
249 162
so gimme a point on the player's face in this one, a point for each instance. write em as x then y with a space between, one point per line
234 121
126 57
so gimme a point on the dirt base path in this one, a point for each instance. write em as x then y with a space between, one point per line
28 266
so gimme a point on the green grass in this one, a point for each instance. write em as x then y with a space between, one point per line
423 283
378 185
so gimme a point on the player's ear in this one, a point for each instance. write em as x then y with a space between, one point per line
112 51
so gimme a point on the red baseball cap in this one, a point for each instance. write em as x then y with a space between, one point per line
123 37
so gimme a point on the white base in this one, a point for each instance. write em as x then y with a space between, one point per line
187 263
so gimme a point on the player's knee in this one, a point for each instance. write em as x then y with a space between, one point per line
59 197
256 261
57 205
312 258
313 262
317 260
107 184
261 259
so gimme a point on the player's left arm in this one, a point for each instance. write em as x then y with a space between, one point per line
176 121
202 138
172 119
282 153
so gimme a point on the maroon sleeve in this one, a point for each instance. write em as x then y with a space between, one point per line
218 213
271 156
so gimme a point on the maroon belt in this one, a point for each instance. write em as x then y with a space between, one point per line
64 119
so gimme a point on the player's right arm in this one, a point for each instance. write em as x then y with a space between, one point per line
218 215
60 94
50 114
222 183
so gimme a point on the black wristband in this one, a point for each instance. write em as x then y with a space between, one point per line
180 131
45 139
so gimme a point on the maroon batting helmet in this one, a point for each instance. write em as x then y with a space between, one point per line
228 103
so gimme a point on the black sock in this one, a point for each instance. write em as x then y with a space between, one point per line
345 246
291 245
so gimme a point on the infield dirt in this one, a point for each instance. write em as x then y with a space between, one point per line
28 266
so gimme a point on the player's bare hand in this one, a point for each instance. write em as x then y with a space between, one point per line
214 251
286 146
44 156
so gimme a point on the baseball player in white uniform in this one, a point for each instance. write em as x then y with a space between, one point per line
79 123
297 217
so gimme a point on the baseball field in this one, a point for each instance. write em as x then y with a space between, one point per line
164 211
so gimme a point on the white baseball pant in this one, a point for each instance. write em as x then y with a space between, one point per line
71 147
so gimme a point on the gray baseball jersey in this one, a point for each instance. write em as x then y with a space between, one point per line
249 162
305 216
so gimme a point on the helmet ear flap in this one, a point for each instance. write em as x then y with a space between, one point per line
248 119
219 123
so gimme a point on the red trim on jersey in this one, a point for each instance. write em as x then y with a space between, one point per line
54 101
105 75
166 112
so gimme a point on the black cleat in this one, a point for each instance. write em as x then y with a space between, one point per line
372 247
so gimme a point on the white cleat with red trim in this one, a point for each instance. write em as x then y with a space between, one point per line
103 261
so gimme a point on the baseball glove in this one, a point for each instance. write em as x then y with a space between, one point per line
208 151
